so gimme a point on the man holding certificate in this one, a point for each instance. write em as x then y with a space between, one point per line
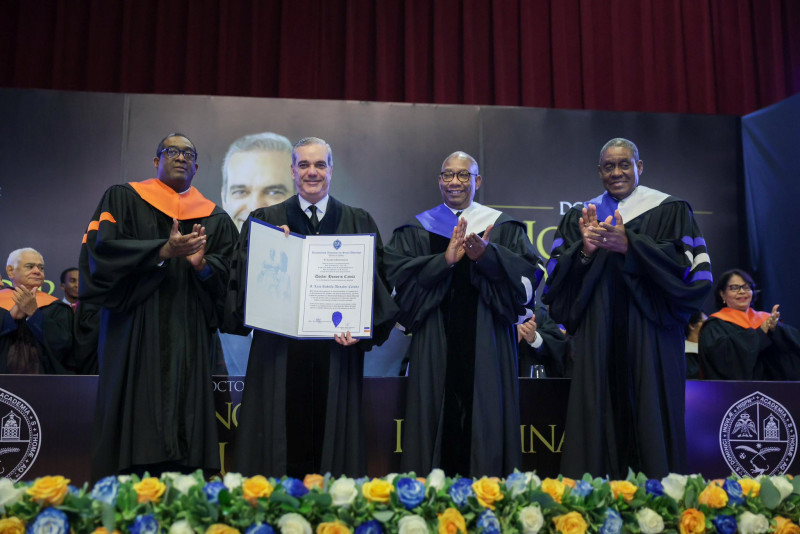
301 407
464 275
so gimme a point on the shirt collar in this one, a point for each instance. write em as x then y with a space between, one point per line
322 205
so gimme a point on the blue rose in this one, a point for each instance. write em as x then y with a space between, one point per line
294 487
488 523
144 524
582 488
50 521
460 490
212 489
734 491
369 527
260 528
725 524
612 524
410 492
516 483
106 490
654 487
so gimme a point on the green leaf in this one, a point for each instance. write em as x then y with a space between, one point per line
770 495
384 516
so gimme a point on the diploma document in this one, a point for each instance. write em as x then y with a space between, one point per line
309 286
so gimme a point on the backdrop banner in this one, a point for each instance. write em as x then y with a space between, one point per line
746 428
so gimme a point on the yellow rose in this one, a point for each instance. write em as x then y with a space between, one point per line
219 528
750 488
693 521
333 527
314 481
554 488
103 530
487 490
255 487
571 523
623 487
49 491
568 482
451 521
785 526
12 525
713 496
377 490
149 490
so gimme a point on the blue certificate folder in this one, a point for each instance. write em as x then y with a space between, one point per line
309 287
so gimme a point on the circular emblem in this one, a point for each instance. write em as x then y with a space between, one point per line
20 436
758 437
337 244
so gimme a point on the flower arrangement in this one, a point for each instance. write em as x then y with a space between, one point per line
404 504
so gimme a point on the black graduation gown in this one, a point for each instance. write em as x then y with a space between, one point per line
730 352
155 399
627 315
261 443
49 330
423 281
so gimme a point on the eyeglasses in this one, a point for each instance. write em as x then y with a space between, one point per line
463 176
172 153
735 288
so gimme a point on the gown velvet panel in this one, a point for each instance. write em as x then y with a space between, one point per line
49 330
626 314
155 399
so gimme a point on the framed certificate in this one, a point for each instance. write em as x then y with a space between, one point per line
309 287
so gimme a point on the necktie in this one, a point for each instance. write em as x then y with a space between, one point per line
314 219
458 214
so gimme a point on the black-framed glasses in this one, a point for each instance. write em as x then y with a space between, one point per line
463 176
173 151
735 288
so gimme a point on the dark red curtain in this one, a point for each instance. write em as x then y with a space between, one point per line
696 56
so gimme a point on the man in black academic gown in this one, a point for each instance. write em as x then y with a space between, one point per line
35 328
460 295
301 408
626 272
155 261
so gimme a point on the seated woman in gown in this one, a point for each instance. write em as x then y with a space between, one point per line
740 343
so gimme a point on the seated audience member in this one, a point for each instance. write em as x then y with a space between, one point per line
35 328
740 343
692 337
69 285
542 342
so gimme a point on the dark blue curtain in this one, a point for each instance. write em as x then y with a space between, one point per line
771 148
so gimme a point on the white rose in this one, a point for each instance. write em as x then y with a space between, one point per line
436 479
783 486
649 521
412 524
390 478
123 478
182 483
343 491
532 519
169 475
9 495
294 524
232 481
181 527
674 485
533 480
750 523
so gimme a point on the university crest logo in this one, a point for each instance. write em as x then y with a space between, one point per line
758 437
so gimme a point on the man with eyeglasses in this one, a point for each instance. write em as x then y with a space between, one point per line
35 328
626 272
301 410
464 274
155 260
